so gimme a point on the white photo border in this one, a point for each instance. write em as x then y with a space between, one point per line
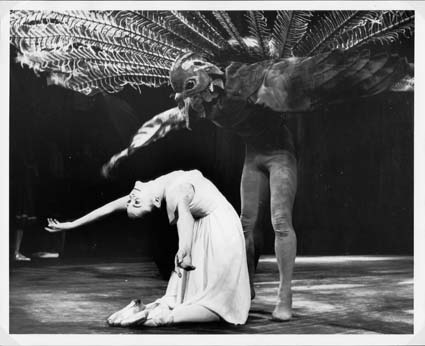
418 338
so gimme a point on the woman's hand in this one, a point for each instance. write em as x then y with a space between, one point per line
54 225
184 260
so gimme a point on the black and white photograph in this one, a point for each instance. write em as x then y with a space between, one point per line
244 171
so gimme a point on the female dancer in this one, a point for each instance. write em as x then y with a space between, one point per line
214 284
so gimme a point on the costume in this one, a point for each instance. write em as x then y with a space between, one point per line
304 60
220 281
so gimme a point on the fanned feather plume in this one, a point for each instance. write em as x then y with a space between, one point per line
208 26
191 23
158 25
328 26
385 27
257 26
91 51
226 23
289 28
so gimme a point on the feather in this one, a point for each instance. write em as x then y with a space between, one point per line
404 84
289 28
91 51
155 23
327 27
386 27
175 29
111 83
208 25
103 25
151 131
226 23
82 61
188 22
257 26
59 37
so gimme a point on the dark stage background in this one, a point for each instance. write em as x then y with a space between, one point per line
355 190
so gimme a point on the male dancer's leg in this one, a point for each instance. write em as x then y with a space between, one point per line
283 186
254 198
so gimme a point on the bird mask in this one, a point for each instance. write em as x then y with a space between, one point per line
195 81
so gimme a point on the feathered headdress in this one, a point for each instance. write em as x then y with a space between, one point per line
91 51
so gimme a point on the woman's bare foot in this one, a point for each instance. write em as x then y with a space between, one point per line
283 309
134 307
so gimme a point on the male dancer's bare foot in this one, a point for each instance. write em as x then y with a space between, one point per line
283 309
125 313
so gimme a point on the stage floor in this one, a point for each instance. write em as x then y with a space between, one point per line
332 295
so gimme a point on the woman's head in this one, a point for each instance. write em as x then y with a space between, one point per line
142 199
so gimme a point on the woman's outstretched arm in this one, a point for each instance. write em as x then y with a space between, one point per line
111 207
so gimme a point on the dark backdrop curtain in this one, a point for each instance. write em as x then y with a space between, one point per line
355 192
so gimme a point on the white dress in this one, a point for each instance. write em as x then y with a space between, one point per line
220 281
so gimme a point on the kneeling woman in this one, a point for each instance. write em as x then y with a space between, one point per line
210 281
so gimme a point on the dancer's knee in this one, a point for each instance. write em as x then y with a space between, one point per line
282 224
194 314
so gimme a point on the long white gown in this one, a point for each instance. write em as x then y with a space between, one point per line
220 281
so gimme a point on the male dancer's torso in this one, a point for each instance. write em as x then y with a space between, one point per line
234 111
257 126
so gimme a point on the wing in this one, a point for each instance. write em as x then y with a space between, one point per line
304 84
152 130
92 51
329 30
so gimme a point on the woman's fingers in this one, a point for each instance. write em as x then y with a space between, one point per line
53 225
177 270
51 221
184 261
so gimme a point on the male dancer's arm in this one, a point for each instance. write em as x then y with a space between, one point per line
109 208
152 130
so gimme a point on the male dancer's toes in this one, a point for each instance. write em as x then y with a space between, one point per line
135 306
